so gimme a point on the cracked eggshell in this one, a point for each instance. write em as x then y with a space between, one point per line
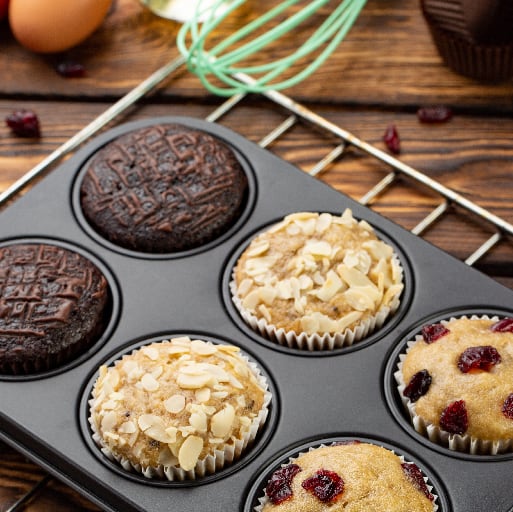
54 26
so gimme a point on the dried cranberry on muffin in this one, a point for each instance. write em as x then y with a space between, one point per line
348 477
456 379
178 409
163 188
53 306
317 281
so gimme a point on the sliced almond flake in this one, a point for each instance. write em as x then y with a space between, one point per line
330 288
251 300
317 248
109 421
300 216
189 452
149 383
352 276
195 381
109 405
299 305
158 433
318 278
293 230
307 226
284 289
219 394
166 458
112 377
184 341
175 404
198 420
203 348
265 313
347 320
171 433
244 287
358 299
145 421
392 293
150 352
203 395
116 395
323 222
157 371
378 249
111 435
327 324
396 271
310 324
215 440
366 226
305 282
221 423
278 227
267 294
208 409
129 427
241 401
258 248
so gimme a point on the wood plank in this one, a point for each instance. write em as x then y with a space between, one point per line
387 59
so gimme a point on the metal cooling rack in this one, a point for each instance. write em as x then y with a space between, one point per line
294 113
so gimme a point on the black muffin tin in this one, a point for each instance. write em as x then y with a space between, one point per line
317 396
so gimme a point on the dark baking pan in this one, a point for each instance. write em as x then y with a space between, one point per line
317 396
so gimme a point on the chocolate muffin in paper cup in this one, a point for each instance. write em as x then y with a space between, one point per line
456 381
178 409
342 477
317 281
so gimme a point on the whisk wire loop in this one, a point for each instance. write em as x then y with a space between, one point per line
221 62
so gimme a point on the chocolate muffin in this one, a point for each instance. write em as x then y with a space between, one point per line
163 188
474 38
52 304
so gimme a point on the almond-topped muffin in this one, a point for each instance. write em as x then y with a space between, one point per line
317 280
352 477
180 408
456 378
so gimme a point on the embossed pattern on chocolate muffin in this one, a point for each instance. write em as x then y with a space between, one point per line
163 188
52 304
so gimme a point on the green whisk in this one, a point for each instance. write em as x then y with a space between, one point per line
222 60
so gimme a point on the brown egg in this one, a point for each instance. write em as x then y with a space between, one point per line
50 26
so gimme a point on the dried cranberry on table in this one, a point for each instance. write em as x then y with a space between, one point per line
418 385
434 114
434 332
478 358
71 69
24 123
454 418
392 140
325 485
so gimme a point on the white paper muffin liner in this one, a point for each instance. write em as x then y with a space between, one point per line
317 341
456 442
263 500
221 457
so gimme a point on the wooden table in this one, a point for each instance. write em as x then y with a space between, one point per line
385 69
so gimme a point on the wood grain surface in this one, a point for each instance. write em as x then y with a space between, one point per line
380 75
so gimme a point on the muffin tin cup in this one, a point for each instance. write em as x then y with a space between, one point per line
460 443
257 497
222 457
316 395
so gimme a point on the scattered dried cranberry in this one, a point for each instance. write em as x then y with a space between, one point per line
70 69
392 140
434 332
504 325
507 407
23 123
418 385
414 475
454 418
324 485
478 358
434 114
278 488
